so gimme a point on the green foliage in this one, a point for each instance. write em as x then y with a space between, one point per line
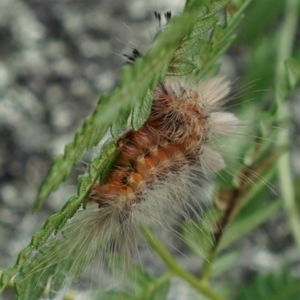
200 239
85 138
279 285
28 276
98 168
249 221
191 43
141 111
198 236
292 72
224 263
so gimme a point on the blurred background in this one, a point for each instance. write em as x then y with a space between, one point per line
56 58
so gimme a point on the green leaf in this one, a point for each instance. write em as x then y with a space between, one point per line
198 236
54 223
203 25
216 6
213 8
292 72
85 138
220 39
181 67
213 60
105 163
224 263
119 126
242 226
191 47
141 111
274 286
35 288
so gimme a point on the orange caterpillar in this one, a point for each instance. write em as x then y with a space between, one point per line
162 166
174 137
161 169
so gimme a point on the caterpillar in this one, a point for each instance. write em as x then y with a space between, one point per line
159 164
161 169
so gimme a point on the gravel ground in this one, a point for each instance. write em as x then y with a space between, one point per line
56 58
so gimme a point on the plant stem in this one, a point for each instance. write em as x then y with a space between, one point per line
286 40
176 269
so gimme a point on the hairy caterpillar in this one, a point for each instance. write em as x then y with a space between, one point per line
160 167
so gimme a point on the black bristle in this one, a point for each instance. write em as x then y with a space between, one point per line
158 18
168 16
131 58
136 53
